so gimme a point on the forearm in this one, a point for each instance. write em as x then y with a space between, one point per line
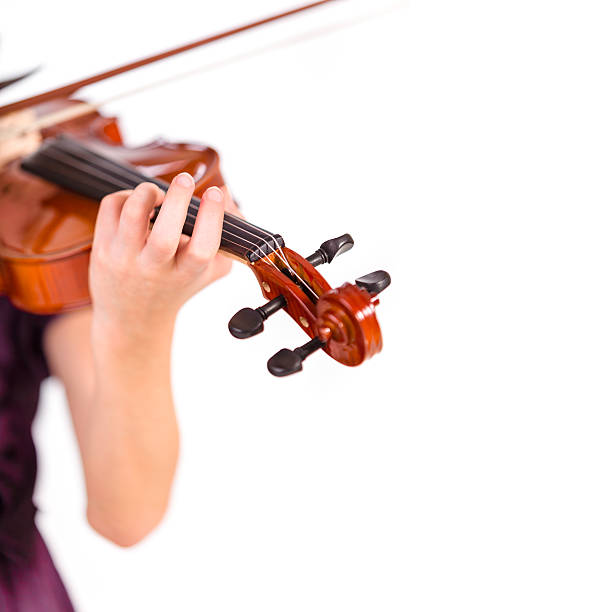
114 358
130 439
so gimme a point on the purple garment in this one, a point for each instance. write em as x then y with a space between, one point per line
29 581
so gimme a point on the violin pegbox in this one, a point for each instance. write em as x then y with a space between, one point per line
340 321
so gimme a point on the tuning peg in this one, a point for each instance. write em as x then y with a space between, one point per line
330 249
249 322
375 282
287 362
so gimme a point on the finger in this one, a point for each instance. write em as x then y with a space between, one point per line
136 213
109 213
163 240
206 236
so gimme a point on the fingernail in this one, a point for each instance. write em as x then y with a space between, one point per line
214 194
184 179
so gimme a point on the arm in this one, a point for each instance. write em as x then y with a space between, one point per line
114 358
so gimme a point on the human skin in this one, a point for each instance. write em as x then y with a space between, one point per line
114 357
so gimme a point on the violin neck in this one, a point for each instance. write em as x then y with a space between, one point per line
67 163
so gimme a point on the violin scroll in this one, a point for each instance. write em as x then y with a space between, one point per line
342 321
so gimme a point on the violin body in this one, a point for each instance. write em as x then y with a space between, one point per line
46 231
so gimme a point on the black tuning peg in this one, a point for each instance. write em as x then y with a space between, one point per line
375 282
330 249
287 362
249 322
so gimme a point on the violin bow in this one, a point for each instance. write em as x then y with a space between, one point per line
67 90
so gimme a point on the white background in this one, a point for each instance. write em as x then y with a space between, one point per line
467 148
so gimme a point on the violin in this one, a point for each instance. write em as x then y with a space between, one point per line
74 156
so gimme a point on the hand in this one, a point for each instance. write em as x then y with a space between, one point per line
140 277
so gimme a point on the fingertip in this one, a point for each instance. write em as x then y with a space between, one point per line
184 179
213 194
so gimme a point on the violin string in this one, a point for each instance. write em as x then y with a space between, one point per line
105 183
78 151
117 183
119 169
108 180
129 182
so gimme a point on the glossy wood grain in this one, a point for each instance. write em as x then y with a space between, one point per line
344 318
46 231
